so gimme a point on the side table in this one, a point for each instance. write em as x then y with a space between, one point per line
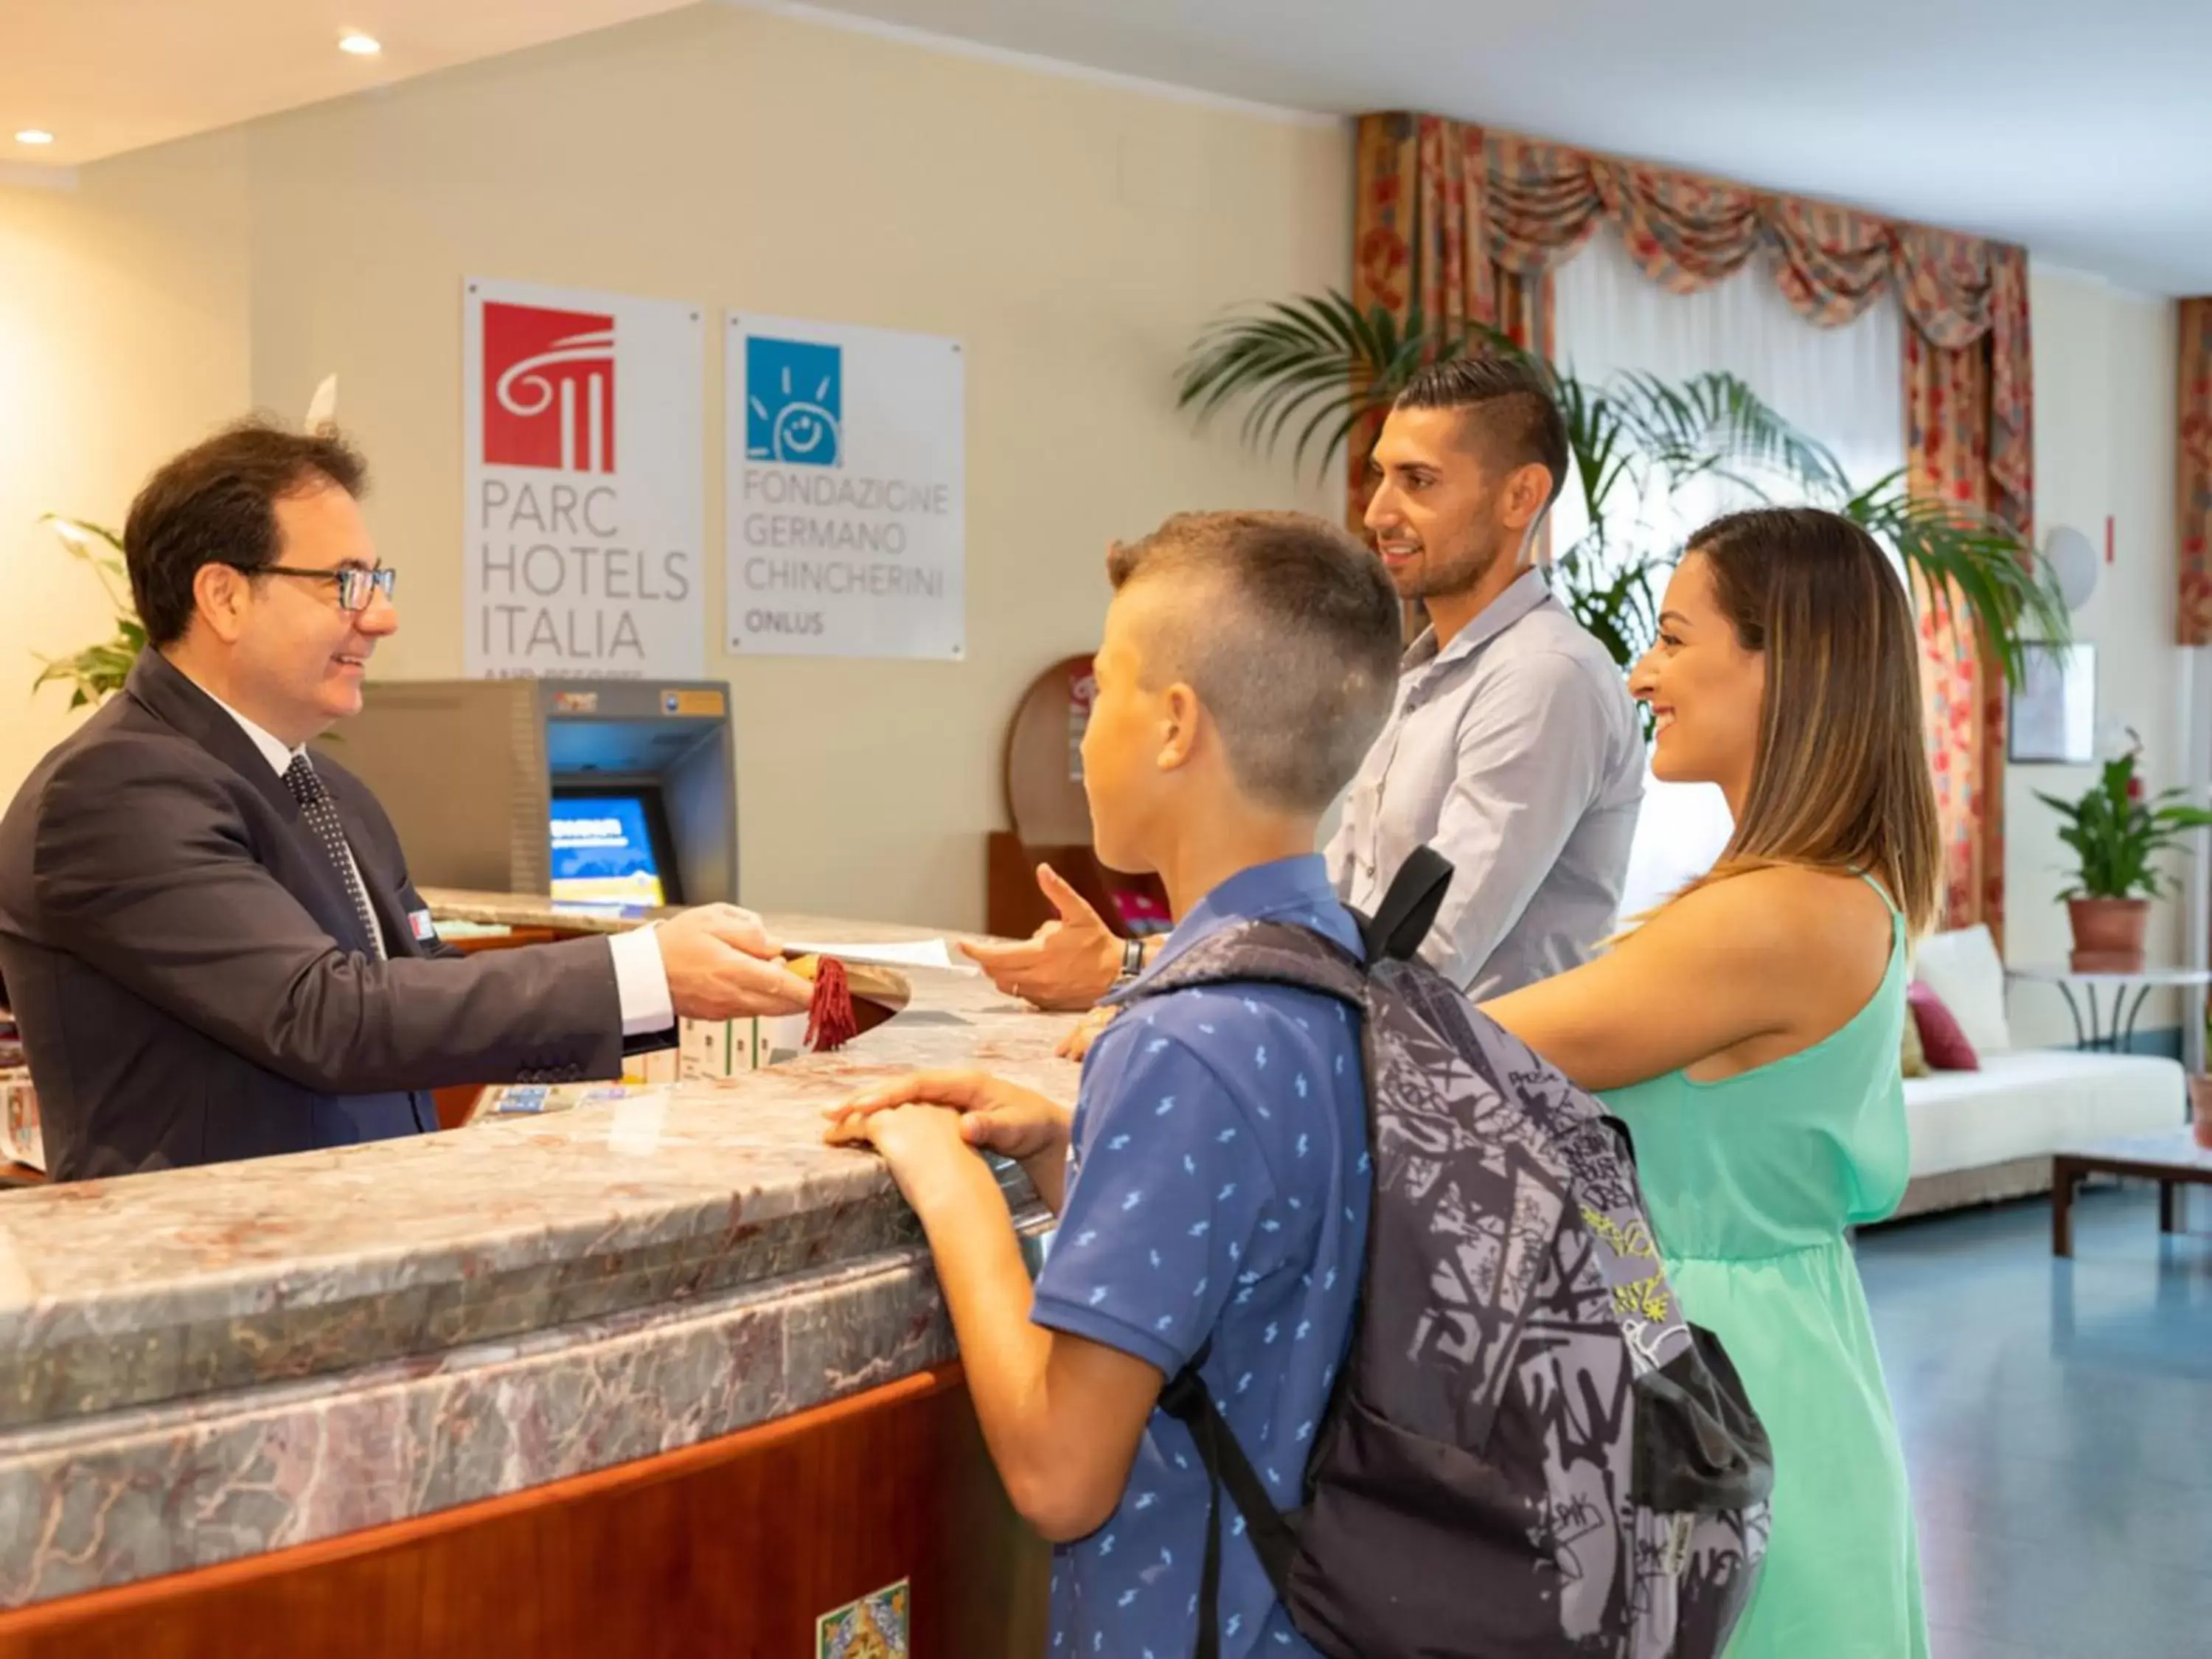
2109 1031
2173 1160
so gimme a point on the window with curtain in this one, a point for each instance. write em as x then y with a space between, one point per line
1842 386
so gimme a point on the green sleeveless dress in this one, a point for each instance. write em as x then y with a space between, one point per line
1751 1183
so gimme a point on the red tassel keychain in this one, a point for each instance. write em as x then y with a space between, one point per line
830 1021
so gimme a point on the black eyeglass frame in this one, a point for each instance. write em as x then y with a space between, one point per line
355 586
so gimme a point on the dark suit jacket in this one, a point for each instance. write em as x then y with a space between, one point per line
192 983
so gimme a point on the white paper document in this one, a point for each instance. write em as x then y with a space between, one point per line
921 953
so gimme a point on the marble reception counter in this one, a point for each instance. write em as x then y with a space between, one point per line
206 1364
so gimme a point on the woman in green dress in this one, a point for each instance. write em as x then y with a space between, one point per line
1748 1032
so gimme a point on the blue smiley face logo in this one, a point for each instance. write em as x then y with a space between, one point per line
794 402
806 433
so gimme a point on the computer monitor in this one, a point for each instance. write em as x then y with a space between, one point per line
469 770
610 847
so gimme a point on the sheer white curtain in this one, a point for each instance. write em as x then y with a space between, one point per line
1843 385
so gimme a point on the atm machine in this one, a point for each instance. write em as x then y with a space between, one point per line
620 793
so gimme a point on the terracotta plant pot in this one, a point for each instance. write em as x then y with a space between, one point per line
2108 934
2200 1110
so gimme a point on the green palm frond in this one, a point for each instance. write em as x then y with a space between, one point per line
1964 557
1613 597
1714 424
1309 369
1602 445
1318 359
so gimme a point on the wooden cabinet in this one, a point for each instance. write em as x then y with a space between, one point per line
732 1548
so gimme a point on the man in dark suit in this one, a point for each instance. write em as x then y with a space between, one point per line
210 940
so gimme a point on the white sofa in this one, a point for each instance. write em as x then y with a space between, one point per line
1981 1136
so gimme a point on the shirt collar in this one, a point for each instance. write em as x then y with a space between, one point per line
272 748
1529 590
1294 890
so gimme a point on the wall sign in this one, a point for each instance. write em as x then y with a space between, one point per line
583 449
846 526
2053 715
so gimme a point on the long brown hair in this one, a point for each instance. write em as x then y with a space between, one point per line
1841 781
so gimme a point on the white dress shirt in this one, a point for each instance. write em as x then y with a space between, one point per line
641 978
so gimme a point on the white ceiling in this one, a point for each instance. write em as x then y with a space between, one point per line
2083 128
108 75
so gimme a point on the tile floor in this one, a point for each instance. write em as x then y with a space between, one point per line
2058 1425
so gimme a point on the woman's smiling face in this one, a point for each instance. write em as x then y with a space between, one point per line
1705 690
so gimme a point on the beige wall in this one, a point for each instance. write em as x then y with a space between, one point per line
1073 235
2104 443
123 335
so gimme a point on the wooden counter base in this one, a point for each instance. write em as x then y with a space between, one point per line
733 1547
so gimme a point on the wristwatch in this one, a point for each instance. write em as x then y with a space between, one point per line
1132 960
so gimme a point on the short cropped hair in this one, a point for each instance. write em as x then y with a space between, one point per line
1509 409
216 504
1293 647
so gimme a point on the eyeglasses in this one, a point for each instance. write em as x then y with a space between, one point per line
355 584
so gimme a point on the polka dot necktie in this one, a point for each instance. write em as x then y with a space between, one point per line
322 816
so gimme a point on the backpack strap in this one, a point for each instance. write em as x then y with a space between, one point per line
1186 1400
1283 953
1409 909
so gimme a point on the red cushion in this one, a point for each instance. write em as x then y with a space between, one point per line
1940 1039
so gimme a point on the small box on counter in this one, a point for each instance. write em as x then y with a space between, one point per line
710 1049
707 1050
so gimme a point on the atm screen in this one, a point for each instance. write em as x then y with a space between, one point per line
610 849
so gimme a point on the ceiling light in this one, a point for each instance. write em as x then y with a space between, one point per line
361 45
35 136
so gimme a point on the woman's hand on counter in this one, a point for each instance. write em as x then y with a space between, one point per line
721 964
1066 965
992 1115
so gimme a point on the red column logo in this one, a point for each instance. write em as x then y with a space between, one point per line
548 388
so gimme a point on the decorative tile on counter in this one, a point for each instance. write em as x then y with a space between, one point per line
165 1286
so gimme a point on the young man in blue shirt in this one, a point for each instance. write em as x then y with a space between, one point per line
1212 1183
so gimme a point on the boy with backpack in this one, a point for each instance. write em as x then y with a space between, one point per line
1216 1171
1469 1425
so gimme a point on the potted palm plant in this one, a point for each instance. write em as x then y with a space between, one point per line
1318 372
2118 831
97 672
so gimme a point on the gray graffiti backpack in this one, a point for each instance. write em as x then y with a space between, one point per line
1528 1453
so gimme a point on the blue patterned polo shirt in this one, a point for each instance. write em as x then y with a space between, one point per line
1217 1190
